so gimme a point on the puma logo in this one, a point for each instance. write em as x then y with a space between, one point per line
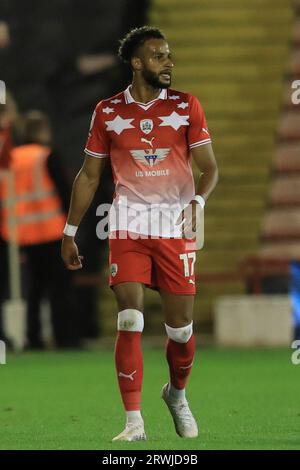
129 376
191 281
205 130
147 141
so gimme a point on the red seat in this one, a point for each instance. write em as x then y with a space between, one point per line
280 251
289 125
285 191
296 32
271 260
281 224
287 158
294 62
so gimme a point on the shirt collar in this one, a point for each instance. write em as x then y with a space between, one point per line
129 98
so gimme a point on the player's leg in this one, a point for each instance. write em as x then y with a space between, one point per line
180 351
130 266
36 288
176 280
128 356
174 263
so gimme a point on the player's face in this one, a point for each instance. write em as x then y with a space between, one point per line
156 63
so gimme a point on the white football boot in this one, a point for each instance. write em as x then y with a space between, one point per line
132 432
184 421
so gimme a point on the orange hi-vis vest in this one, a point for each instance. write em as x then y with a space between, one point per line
31 209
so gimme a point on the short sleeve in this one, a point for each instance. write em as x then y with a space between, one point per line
198 133
98 144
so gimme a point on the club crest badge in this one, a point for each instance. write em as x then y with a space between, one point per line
113 269
146 125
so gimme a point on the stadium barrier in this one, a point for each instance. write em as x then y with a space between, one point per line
256 320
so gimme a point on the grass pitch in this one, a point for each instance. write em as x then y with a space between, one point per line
243 399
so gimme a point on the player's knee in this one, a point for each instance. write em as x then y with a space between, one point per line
131 304
180 335
179 320
130 319
129 296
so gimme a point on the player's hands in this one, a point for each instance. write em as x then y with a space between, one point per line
188 219
70 254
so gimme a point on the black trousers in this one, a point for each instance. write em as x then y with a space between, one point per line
48 278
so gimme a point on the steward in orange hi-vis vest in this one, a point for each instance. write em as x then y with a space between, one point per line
39 217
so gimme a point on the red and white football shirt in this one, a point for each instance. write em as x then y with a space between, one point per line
149 146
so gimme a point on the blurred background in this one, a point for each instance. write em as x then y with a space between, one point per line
240 59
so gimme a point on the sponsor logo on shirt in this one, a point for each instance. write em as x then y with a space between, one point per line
150 157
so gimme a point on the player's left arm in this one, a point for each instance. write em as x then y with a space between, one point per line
199 142
205 161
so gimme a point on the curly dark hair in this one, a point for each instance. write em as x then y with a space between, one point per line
136 38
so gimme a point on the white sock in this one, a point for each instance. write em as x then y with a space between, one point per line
175 393
133 416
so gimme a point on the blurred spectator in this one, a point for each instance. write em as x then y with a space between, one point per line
4 35
65 52
8 118
40 199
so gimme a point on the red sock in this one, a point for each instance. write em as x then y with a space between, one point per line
129 363
180 359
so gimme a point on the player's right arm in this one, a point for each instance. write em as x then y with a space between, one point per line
84 188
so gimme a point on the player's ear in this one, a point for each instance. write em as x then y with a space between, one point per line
136 63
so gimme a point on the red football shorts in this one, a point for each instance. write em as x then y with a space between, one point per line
159 263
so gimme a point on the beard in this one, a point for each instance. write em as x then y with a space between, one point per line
153 80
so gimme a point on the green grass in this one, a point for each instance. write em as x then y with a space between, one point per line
243 399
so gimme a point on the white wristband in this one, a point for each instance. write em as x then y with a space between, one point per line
200 200
70 230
